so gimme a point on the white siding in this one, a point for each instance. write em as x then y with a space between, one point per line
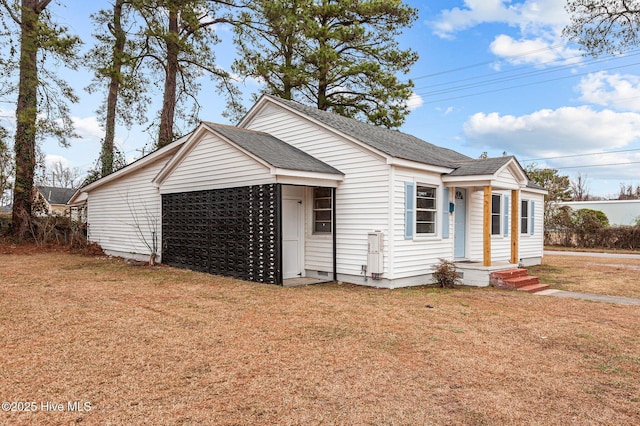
418 255
361 199
124 214
505 179
532 246
214 164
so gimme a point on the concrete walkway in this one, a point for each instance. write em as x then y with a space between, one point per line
592 254
587 296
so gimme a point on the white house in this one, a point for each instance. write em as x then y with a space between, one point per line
293 191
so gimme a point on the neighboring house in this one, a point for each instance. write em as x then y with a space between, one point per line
619 212
51 200
293 191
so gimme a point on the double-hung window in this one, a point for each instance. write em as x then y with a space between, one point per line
496 214
322 210
426 210
524 217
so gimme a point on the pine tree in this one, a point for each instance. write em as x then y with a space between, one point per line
41 95
338 55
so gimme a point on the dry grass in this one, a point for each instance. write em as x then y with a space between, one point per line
167 346
614 277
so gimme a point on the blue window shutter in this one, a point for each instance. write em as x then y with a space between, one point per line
506 215
532 215
409 209
445 213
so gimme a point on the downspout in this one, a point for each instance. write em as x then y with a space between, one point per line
333 232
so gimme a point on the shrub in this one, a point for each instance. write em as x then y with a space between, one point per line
445 274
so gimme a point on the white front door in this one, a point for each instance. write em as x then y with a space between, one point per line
460 223
292 239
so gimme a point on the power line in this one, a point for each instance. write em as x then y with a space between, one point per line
521 85
505 77
598 165
579 155
479 64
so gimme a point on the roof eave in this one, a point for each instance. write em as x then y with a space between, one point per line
410 164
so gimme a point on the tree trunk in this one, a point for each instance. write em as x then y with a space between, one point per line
106 156
26 114
165 136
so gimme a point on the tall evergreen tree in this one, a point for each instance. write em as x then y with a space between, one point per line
116 61
180 35
339 55
41 95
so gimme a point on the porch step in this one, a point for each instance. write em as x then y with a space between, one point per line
533 288
517 279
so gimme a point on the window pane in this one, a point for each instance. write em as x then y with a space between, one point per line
425 228
524 209
495 224
425 216
425 191
495 204
322 203
524 228
322 227
426 203
323 215
322 192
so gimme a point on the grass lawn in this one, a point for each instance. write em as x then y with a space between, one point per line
613 277
160 345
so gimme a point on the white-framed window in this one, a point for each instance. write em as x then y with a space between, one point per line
322 210
527 217
524 217
426 210
496 214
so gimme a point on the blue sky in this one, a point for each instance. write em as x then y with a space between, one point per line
493 76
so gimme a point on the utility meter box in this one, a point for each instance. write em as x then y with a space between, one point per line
375 257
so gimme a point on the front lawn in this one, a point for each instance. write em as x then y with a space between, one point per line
140 345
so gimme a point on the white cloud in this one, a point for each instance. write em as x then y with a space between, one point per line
445 111
538 22
88 128
547 132
415 101
530 16
619 91
536 51
52 159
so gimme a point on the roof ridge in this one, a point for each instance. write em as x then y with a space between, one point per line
394 143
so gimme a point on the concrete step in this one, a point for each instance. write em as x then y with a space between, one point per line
533 288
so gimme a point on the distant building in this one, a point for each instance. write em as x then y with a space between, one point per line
619 212
52 200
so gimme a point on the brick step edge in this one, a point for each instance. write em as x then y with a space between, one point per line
533 288
521 281
510 273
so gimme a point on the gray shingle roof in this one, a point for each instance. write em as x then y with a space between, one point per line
55 195
391 142
482 166
272 150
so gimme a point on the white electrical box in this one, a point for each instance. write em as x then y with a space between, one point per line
375 256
